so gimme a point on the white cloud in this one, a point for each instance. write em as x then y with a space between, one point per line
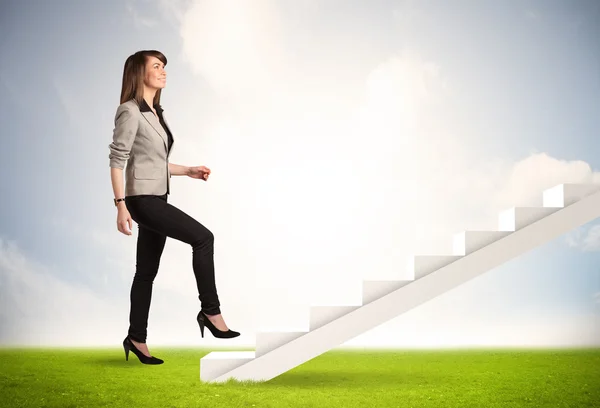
117 249
543 171
597 297
452 187
139 20
174 9
586 238
236 47
40 309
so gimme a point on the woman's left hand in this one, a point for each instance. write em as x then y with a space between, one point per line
199 172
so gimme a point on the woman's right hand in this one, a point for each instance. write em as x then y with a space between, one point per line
124 219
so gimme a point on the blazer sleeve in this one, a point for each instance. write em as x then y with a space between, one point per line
126 126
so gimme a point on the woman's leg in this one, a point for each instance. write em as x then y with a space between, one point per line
150 245
154 213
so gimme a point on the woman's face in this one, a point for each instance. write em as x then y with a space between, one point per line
156 76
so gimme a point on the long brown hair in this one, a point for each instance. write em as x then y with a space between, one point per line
133 76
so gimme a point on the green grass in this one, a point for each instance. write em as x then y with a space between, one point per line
340 378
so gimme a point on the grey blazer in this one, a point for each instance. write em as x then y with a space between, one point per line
140 140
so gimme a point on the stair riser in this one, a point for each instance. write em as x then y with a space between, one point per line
210 369
373 290
520 217
471 241
423 265
322 315
564 195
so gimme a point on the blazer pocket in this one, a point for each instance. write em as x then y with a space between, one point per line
146 174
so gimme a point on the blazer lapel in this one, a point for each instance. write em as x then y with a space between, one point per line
153 120
172 135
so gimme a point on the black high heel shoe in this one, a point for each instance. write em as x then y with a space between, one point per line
204 320
128 345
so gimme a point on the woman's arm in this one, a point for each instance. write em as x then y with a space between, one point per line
116 178
126 126
178 170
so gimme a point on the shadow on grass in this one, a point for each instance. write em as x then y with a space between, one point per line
350 379
111 361
319 379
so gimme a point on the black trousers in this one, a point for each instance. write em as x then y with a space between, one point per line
157 220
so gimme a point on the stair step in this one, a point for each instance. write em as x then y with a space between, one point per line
267 341
217 363
516 218
564 195
373 290
422 265
321 315
470 241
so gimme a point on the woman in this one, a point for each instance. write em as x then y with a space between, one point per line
143 140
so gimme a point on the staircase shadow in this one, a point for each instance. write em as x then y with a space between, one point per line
109 361
346 379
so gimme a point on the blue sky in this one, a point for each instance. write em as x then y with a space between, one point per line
315 118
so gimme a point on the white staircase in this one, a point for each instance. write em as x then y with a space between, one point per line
520 229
